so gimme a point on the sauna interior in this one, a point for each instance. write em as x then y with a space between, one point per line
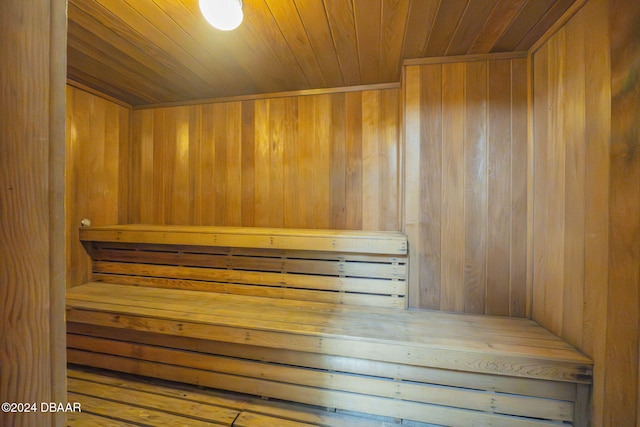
497 140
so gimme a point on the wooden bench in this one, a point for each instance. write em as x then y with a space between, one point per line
316 317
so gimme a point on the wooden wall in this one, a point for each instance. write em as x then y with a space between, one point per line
586 197
97 141
465 183
315 161
622 364
32 277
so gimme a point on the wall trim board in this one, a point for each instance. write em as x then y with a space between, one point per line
97 93
57 191
464 58
530 181
273 95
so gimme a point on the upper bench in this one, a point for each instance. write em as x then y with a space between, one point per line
344 267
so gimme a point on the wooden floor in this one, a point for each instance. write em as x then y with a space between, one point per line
114 399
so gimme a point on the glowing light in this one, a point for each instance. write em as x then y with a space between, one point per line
224 15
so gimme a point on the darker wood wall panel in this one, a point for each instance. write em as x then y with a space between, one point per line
97 139
317 161
465 203
32 82
587 198
623 314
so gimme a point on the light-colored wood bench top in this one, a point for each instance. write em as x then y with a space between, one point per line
495 345
380 242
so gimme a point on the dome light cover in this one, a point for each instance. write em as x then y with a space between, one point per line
225 15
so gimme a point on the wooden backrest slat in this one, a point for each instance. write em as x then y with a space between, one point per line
255 278
183 258
259 291
339 267
249 252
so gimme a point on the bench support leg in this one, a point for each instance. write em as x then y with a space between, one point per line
582 412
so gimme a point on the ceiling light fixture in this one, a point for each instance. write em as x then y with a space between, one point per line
225 15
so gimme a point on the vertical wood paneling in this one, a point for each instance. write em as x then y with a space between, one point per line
412 182
465 125
204 168
562 146
277 139
519 303
431 185
623 315
540 126
221 148
389 161
291 170
554 174
453 177
178 186
247 135
575 187
234 164
316 161
141 183
597 170
157 163
586 152
320 165
338 162
370 159
354 160
262 158
499 183
475 140
97 134
32 354
306 154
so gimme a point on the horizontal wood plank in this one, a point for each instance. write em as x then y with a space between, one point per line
379 268
409 390
376 340
248 419
79 333
135 414
255 278
252 237
125 383
336 399
173 405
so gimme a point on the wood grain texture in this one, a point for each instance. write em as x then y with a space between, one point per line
32 362
57 211
164 51
317 161
97 137
570 228
585 280
465 124
344 267
190 402
623 314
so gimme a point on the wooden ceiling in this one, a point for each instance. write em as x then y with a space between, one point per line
159 51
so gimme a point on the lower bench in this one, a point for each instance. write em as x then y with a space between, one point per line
433 367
